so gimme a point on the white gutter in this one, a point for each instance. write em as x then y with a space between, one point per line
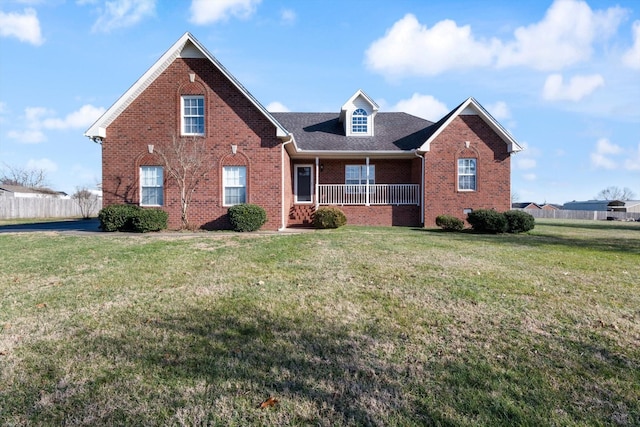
421 187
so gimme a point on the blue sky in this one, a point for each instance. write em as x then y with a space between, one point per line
562 76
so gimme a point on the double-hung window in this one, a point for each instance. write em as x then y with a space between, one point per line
151 186
356 177
359 122
466 174
234 180
193 115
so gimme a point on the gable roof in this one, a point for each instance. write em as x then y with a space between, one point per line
359 94
471 106
187 47
323 133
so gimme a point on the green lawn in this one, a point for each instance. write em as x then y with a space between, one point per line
355 326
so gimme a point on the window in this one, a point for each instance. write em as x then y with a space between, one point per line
193 115
357 175
151 187
467 174
234 180
359 121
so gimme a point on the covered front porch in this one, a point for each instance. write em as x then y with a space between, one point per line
371 191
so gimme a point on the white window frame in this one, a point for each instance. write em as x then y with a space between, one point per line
360 122
362 176
154 181
186 113
467 167
232 180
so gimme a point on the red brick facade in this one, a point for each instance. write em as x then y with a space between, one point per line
152 116
231 119
441 195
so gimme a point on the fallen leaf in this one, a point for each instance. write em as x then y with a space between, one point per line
41 305
272 401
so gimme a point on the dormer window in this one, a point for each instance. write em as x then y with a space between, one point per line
359 121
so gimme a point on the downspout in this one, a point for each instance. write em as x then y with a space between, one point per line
421 199
282 207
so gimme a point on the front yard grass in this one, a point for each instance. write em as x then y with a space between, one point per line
355 326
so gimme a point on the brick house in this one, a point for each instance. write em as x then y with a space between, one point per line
379 168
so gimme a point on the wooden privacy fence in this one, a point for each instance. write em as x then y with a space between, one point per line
41 207
570 214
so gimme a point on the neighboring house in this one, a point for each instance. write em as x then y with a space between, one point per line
379 168
550 207
631 206
525 205
30 192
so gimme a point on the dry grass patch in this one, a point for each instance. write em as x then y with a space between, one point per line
356 326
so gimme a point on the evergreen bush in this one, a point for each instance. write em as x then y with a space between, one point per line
487 221
132 218
117 217
519 221
329 217
247 217
145 220
449 223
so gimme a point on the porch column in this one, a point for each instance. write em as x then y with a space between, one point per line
316 184
367 202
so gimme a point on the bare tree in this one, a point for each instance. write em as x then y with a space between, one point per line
86 200
187 162
515 197
25 177
615 193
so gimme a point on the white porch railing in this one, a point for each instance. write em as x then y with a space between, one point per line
373 194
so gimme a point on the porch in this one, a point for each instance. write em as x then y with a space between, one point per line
368 194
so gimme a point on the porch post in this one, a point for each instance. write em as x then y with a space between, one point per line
367 202
316 185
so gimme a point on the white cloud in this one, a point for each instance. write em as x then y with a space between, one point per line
44 164
85 116
288 16
526 163
29 136
601 158
410 48
207 11
38 119
633 162
576 88
425 106
632 57
565 36
122 14
529 176
499 110
25 27
277 107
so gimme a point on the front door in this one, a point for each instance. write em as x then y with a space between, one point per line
303 183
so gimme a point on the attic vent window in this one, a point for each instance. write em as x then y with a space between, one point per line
359 121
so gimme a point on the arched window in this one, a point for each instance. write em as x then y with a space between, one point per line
359 121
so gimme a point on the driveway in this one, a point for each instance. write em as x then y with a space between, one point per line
63 226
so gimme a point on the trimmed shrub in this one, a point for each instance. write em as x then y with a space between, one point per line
146 220
519 221
449 223
132 218
247 217
487 221
329 217
117 217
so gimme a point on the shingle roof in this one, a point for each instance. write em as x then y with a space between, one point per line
323 132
